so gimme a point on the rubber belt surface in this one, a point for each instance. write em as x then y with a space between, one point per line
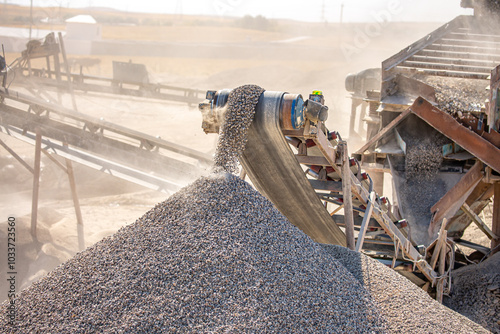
276 173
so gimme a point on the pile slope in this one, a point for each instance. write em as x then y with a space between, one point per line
215 257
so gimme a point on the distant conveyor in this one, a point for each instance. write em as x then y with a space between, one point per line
110 148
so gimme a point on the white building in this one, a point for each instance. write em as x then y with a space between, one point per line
83 27
81 30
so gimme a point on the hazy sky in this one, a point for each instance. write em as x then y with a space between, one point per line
311 10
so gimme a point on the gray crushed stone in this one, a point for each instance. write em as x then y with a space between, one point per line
458 95
422 187
475 293
216 257
406 307
423 159
233 132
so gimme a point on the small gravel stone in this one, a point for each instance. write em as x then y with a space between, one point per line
422 186
458 96
218 257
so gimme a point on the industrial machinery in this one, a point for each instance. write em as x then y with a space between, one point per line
128 78
40 120
440 93
442 152
361 85
317 179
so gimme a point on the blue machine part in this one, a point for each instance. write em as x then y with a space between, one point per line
297 113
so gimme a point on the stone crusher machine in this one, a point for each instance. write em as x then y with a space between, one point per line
304 169
44 66
433 125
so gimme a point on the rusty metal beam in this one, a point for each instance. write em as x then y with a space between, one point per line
478 221
495 243
451 202
477 201
346 191
384 131
448 126
494 105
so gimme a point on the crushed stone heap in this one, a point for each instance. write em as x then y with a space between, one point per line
405 307
475 292
215 257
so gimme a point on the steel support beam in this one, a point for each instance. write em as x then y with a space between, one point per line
36 184
347 197
448 126
451 202
495 243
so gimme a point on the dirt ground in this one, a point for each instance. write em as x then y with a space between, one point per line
108 203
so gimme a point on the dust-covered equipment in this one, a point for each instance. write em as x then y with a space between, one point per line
437 131
439 144
361 86
129 79
314 176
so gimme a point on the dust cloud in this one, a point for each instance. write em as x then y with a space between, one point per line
191 52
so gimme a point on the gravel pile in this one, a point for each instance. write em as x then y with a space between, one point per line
406 307
476 293
458 95
215 257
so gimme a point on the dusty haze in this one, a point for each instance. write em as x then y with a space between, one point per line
192 52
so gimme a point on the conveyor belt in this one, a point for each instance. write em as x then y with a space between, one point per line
275 172
125 153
